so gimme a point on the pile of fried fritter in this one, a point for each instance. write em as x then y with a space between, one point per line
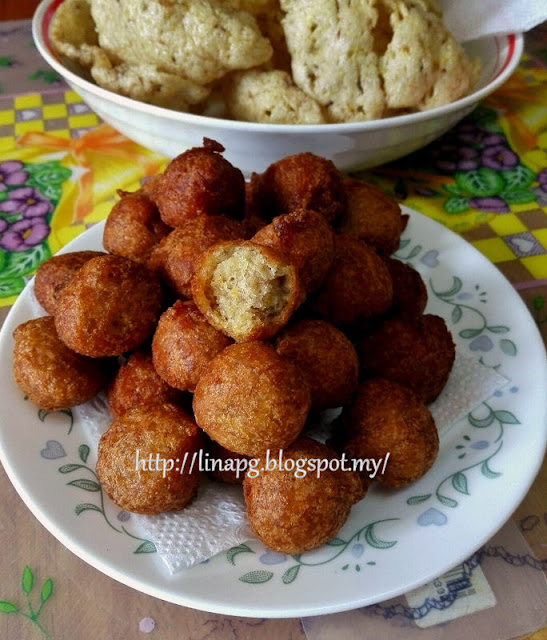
226 316
270 61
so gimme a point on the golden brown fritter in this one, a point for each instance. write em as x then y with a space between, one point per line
372 216
226 466
137 383
183 344
291 514
305 239
140 456
246 290
174 258
53 274
387 418
327 359
358 285
409 290
250 399
133 226
301 181
109 307
200 181
51 374
418 353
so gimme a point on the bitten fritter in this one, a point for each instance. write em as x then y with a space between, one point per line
418 353
372 216
358 285
137 383
302 181
291 513
306 240
327 359
409 290
200 181
140 457
250 399
55 273
174 258
387 418
246 290
133 226
226 466
109 307
51 374
183 344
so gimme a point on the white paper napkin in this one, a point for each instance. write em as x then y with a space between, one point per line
472 19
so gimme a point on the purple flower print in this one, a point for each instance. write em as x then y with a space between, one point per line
11 174
451 158
23 234
27 201
499 157
492 204
542 180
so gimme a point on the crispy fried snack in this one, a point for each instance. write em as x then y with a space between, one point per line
183 344
306 240
199 182
387 418
55 273
133 227
301 181
292 514
327 359
372 216
134 448
409 290
109 307
418 353
51 374
174 258
250 399
269 96
137 383
246 290
358 285
226 466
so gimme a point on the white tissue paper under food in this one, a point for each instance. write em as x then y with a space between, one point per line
472 19
216 520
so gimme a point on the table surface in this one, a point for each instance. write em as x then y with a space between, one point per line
511 231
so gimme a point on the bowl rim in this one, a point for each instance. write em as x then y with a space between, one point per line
43 15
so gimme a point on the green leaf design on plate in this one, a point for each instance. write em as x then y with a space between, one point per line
256 577
456 204
85 484
459 482
448 502
506 417
418 499
86 506
146 547
69 468
482 182
456 314
47 590
508 347
234 551
335 542
487 472
27 580
375 542
498 329
454 289
8 607
83 452
470 333
290 574
415 251
517 178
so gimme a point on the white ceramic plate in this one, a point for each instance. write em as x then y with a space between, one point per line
393 540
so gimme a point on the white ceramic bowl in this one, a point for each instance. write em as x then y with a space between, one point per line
253 146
